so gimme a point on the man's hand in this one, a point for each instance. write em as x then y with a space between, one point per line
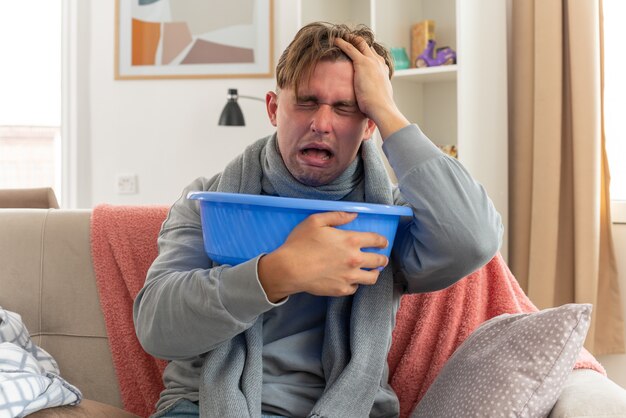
322 260
372 86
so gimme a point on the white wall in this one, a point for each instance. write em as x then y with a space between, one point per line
165 131
615 365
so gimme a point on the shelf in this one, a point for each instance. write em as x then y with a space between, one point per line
427 75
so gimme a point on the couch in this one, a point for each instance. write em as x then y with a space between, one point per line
46 275
42 198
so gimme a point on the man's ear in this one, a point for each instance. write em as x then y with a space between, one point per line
271 104
369 129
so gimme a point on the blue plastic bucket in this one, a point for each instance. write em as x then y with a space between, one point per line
238 227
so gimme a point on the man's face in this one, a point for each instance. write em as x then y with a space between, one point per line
320 131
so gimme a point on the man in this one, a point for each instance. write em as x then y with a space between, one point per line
305 330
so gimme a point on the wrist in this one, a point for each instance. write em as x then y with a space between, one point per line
390 121
272 272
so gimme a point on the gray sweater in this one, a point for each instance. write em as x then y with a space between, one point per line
187 309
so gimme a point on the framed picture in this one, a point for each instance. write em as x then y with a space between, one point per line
193 39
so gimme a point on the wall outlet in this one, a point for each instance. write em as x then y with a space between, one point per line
126 183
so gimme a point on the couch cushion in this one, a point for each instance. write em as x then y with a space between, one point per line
86 409
512 365
46 276
587 393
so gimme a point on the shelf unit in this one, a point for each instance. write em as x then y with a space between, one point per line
432 108
463 104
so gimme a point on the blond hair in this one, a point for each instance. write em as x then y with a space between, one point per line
314 43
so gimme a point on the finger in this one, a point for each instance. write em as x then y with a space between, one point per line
368 240
367 277
351 290
374 52
375 261
361 45
332 218
353 50
347 48
377 55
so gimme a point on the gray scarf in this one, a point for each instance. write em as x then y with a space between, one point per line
358 328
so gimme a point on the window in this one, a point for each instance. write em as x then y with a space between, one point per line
30 102
615 102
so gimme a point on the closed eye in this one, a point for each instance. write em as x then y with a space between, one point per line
307 105
346 109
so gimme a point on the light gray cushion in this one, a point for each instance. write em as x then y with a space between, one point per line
587 393
513 365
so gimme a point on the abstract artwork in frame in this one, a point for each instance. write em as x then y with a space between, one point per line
193 39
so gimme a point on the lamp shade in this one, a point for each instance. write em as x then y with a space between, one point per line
231 114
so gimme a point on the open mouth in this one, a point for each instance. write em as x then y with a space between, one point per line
316 156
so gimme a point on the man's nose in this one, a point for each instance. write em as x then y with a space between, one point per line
322 119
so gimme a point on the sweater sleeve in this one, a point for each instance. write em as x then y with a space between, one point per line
186 307
455 228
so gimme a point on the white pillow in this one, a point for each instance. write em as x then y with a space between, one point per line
513 365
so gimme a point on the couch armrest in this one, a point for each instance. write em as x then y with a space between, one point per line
587 393
42 198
